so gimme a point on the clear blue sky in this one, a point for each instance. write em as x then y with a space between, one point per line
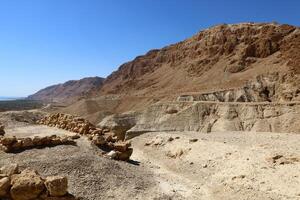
43 42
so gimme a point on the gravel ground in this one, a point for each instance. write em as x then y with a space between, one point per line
90 175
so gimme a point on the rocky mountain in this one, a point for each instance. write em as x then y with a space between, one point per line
69 91
240 77
221 58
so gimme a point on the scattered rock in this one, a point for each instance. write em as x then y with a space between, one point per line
98 140
239 177
112 154
57 185
26 186
29 185
282 160
175 154
193 140
171 111
124 156
9 169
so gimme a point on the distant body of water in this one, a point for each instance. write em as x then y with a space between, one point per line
10 98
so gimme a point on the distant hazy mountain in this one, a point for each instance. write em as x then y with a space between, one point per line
5 98
69 91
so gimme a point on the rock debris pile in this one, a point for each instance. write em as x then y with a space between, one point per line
14 144
29 185
105 139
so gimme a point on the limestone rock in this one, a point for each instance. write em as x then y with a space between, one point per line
56 185
112 154
98 140
119 123
124 156
9 169
121 146
26 186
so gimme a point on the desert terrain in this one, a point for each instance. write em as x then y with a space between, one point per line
213 117
170 165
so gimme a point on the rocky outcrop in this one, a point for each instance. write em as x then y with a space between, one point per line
114 148
209 117
120 123
14 144
214 116
69 91
272 87
29 185
217 58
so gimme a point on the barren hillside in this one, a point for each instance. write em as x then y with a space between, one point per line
247 62
219 58
69 91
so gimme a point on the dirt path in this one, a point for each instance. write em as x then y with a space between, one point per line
172 184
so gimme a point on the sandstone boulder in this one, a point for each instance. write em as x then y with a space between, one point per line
26 186
124 156
98 140
57 185
121 146
10 169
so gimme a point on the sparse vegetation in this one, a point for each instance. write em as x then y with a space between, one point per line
20 105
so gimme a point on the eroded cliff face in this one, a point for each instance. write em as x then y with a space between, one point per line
240 77
274 87
219 58
212 117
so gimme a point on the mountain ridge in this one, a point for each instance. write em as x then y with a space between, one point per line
69 91
221 56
